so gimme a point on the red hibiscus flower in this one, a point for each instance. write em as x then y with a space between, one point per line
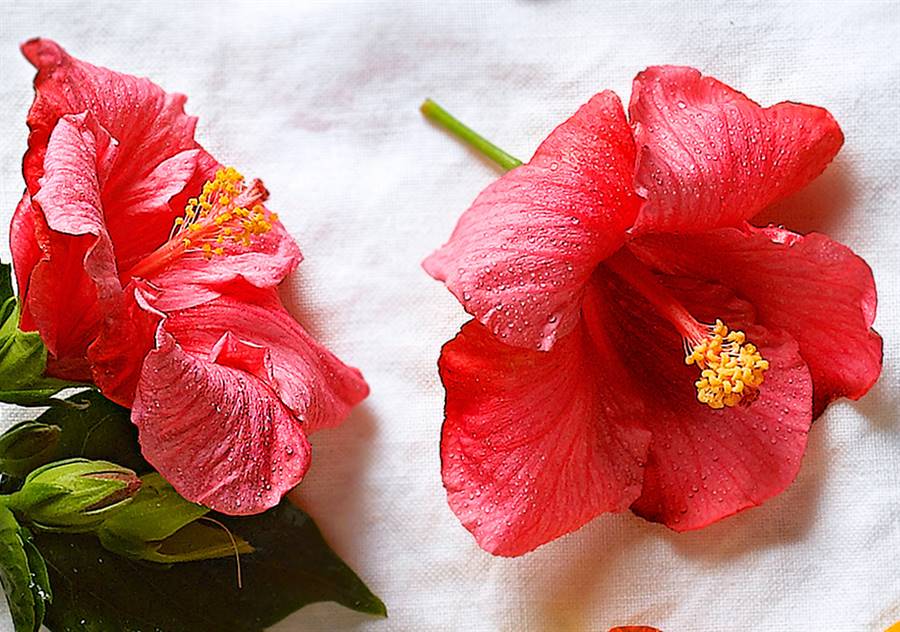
151 270
636 343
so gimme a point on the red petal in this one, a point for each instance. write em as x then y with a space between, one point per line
70 323
710 157
26 252
150 128
77 268
140 213
240 354
317 387
535 444
195 278
814 288
158 199
126 336
226 399
520 256
707 464
217 433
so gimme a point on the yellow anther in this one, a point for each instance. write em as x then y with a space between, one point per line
221 213
730 368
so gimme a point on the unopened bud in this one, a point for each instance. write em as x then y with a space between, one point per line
26 446
161 526
75 495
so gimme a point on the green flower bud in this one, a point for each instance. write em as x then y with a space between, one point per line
74 496
161 526
26 446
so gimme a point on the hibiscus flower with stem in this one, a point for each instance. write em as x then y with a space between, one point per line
636 342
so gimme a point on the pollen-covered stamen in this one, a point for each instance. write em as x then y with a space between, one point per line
227 215
227 211
731 368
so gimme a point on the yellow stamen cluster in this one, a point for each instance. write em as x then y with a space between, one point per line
227 211
730 367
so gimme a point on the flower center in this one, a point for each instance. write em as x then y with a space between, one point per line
731 368
227 215
227 211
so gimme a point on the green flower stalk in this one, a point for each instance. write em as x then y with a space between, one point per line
467 135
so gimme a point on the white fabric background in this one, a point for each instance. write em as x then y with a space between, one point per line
320 100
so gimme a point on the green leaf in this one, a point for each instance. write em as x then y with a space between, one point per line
192 542
86 425
6 286
23 356
92 427
291 567
40 579
23 575
14 574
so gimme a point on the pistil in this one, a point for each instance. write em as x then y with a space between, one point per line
227 213
731 368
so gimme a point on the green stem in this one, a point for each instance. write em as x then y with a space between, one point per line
473 139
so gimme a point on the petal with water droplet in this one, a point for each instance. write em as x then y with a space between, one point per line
532 238
811 286
710 157
706 464
536 444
